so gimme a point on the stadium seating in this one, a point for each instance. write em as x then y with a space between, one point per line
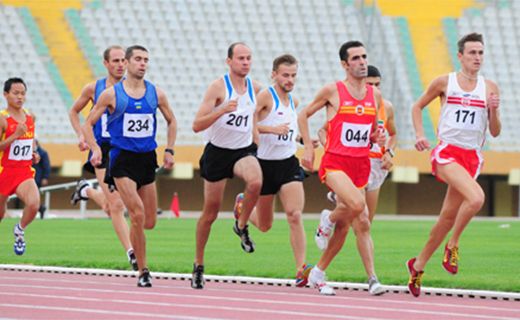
25 58
188 41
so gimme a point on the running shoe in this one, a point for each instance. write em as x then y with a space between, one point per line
374 286
324 231
237 209
247 244
331 196
19 240
132 259
451 259
76 195
317 280
197 277
302 277
414 284
145 279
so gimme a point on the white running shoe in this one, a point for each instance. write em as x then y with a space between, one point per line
331 196
374 287
324 231
317 280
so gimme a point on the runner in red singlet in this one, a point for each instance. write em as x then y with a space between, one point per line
17 153
351 107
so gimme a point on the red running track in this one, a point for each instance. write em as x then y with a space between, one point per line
42 295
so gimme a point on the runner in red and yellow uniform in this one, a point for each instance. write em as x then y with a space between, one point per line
17 154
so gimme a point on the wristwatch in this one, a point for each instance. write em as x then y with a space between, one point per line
170 151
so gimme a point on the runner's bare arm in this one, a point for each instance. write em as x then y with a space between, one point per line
434 90
81 102
390 125
264 105
495 126
171 122
321 100
20 131
208 113
106 101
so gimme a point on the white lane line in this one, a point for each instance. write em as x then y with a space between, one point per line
270 281
267 301
188 305
380 299
96 311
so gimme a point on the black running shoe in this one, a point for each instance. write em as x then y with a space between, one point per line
76 195
145 279
247 244
132 260
197 277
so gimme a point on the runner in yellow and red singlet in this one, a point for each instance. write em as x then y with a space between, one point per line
17 153
352 107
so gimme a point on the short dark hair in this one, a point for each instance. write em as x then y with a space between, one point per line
106 53
284 59
373 72
130 51
471 37
343 51
231 48
9 83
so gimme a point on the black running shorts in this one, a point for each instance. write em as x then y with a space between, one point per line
105 156
139 167
276 173
217 163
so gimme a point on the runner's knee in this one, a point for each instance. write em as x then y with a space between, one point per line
150 224
362 225
294 217
476 202
254 185
137 219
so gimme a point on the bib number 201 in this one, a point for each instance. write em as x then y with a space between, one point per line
237 120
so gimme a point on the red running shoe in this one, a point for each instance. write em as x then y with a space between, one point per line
302 277
451 259
414 284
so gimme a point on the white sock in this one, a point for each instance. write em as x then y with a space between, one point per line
327 221
83 192
18 229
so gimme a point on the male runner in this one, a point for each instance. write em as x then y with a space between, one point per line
470 103
132 105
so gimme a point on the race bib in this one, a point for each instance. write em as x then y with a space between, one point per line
466 118
138 125
240 122
355 135
284 139
21 150
104 131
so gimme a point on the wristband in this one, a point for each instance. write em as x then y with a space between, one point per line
390 152
170 151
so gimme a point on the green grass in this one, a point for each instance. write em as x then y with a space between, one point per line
489 252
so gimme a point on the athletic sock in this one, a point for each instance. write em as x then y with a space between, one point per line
83 191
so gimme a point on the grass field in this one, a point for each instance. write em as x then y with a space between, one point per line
489 251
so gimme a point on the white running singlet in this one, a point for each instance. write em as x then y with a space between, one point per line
234 130
464 115
273 146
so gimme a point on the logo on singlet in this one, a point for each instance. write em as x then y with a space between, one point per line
360 110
